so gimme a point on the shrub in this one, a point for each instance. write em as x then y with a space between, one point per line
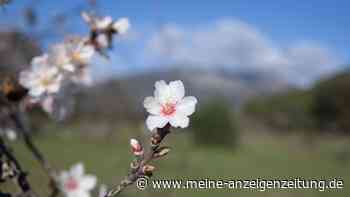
286 111
214 124
331 106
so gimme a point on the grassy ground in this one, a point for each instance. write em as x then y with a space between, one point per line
264 157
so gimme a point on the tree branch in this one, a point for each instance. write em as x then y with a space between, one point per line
137 167
21 176
25 131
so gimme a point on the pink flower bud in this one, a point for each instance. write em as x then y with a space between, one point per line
136 147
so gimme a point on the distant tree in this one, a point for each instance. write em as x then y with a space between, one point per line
331 103
214 124
290 110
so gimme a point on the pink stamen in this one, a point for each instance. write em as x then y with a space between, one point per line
168 109
71 184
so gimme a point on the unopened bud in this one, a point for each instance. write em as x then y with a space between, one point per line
162 151
136 147
148 170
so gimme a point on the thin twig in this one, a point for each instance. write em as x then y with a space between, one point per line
25 131
136 170
22 176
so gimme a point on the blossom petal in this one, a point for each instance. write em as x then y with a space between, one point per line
39 60
68 67
121 26
187 105
102 191
86 17
36 91
87 52
102 40
77 170
55 86
179 121
152 105
26 78
84 194
161 92
47 104
104 22
177 91
78 193
88 182
63 176
83 77
153 122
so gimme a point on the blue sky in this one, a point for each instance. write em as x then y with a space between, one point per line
287 29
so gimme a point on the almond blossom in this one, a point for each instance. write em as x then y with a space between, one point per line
9 133
79 51
121 26
169 105
41 78
69 55
98 23
136 147
59 57
74 183
103 28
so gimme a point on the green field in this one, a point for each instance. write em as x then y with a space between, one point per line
261 156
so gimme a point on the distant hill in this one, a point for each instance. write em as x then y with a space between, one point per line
125 95
236 87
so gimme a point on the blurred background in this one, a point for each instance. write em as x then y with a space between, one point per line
272 78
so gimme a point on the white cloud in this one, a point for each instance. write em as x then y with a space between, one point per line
236 44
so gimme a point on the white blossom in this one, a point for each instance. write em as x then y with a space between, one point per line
121 25
99 23
11 134
47 104
59 57
83 76
74 183
169 105
104 22
79 52
8 133
41 78
102 40
69 55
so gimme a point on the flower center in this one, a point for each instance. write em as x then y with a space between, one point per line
46 81
76 56
71 184
168 109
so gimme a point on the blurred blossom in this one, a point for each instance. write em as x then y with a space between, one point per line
8 133
59 57
102 30
47 104
103 191
83 76
68 62
98 23
74 183
102 40
103 23
41 79
121 26
169 105
71 54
